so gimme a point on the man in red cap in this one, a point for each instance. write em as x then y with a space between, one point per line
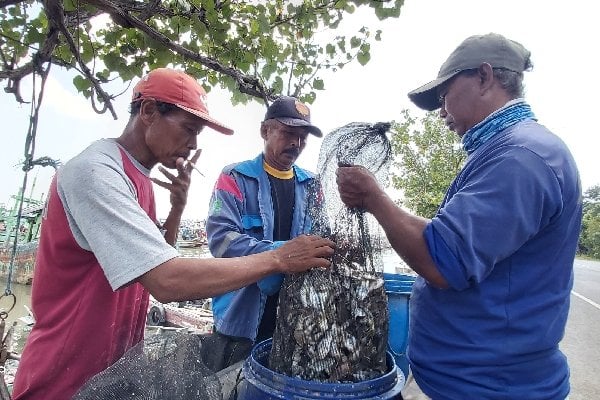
101 250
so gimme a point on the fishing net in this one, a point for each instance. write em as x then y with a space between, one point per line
166 366
332 324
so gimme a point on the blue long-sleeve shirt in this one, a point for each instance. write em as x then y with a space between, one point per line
504 238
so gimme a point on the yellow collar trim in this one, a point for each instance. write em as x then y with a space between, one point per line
289 174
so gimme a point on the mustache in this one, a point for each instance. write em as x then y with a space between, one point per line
293 151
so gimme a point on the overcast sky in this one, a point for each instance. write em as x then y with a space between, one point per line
562 89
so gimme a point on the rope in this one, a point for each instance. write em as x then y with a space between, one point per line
29 163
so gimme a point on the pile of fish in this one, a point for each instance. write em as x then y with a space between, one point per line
332 325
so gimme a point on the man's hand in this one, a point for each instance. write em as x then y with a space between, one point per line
305 252
180 183
357 186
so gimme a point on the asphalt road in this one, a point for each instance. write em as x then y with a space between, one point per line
581 343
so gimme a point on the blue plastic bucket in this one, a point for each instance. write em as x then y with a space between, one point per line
398 288
261 383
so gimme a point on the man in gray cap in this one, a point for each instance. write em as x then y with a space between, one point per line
257 205
495 264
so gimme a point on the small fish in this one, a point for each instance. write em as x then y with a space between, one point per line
332 325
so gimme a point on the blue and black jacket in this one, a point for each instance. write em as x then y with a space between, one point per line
240 223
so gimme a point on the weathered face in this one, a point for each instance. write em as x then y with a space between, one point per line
459 98
283 144
173 135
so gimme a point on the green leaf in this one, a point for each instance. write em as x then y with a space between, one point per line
81 83
363 57
330 49
34 35
269 69
102 76
112 61
318 84
69 5
278 84
340 5
213 79
309 97
15 12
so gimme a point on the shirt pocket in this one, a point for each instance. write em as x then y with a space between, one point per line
253 225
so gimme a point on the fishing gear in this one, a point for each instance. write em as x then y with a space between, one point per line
332 324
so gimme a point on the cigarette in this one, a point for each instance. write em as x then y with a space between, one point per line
194 167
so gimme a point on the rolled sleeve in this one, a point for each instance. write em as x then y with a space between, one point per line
444 259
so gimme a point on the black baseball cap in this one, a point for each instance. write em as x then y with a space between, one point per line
492 48
291 112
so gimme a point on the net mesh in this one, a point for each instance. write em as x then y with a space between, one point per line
166 366
332 324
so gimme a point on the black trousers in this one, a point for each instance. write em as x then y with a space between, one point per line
220 351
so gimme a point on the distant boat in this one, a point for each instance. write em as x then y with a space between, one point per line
194 315
184 244
26 235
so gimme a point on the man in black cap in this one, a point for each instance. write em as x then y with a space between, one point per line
257 205
495 263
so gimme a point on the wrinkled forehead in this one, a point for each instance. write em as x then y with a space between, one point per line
299 131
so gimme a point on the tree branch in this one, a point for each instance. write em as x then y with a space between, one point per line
56 17
303 82
21 55
291 17
249 85
43 55
6 3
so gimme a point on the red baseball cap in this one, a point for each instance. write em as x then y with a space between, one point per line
178 88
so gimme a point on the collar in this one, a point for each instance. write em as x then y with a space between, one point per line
289 174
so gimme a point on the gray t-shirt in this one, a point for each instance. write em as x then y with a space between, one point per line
104 215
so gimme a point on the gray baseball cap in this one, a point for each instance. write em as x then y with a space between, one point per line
492 48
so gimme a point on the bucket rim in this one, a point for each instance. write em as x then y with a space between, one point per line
385 384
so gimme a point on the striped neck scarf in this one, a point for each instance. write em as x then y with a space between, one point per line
512 112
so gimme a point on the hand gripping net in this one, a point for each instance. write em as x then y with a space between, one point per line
332 325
